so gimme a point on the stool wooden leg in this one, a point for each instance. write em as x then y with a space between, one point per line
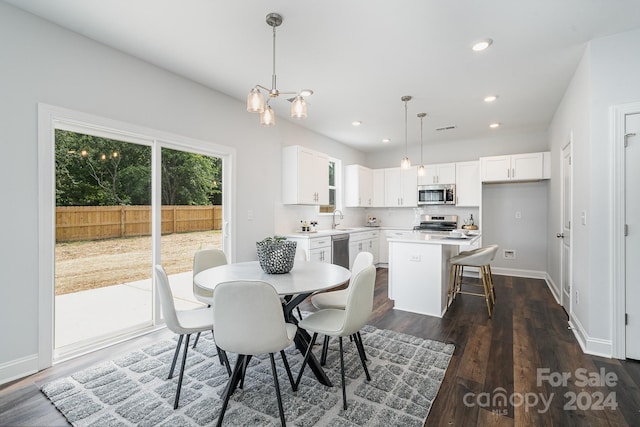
493 292
451 284
485 285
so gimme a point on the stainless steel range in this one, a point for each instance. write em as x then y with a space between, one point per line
437 223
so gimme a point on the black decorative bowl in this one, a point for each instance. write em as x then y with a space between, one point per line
276 257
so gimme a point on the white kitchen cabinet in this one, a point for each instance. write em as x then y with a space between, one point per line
364 241
440 173
378 187
318 248
358 182
401 187
468 186
305 176
383 248
516 167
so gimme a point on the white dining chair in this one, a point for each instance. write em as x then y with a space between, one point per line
184 322
202 260
250 321
338 299
300 256
343 323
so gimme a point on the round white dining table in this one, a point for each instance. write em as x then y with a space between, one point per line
305 278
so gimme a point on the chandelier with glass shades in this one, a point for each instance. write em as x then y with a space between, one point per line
255 99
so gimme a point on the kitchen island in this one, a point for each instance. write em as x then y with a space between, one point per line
419 270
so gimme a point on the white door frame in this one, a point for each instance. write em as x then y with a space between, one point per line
48 117
569 262
617 255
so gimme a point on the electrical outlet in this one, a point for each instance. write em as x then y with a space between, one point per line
509 254
518 215
250 215
583 217
577 298
414 257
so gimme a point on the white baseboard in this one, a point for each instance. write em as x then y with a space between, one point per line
18 368
592 346
516 272
552 287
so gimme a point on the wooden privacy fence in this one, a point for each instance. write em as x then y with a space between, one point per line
106 222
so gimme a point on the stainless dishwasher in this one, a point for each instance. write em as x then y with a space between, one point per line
340 250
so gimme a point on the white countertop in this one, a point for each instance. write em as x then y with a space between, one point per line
328 232
434 238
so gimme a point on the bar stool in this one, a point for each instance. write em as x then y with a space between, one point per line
480 258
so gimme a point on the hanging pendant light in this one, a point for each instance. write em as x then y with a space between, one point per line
255 99
405 163
421 170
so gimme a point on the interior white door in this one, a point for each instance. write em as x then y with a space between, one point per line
565 235
632 241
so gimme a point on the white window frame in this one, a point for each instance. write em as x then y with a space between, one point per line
51 118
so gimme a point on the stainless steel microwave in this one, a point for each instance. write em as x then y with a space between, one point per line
439 194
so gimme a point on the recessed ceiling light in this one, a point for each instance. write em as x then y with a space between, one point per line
494 125
386 140
490 98
356 123
481 45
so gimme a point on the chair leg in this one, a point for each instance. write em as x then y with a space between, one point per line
227 390
222 356
184 362
325 350
244 372
362 345
360 348
344 389
288 369
493 292
299 313
277 385
175 357
450 290
306 358
486 289
195 343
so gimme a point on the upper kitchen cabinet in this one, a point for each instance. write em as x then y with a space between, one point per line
305 176
468 189
401 187
358 182
516 167
442 173
378 187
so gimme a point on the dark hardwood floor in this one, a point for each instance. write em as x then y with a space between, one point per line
494 358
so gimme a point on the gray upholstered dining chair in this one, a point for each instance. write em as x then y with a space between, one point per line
343 323
250 321
184 322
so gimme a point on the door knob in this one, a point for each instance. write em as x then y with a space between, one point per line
560 235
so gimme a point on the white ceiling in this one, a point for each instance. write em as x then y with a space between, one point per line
361 56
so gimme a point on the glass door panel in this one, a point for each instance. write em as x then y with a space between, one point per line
191 216
103 248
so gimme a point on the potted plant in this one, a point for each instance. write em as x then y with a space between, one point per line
276 254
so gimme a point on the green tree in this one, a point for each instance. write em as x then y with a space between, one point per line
94 171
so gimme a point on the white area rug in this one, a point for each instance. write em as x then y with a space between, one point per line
406 373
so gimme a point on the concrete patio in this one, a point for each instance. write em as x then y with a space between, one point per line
86 315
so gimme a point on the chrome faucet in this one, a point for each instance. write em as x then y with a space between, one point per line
333 219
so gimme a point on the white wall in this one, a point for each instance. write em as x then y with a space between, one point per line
42 62
607 76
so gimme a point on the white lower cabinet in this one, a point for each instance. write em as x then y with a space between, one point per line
318 248
363 241
383 248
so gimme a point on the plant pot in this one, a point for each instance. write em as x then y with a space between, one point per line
276 257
